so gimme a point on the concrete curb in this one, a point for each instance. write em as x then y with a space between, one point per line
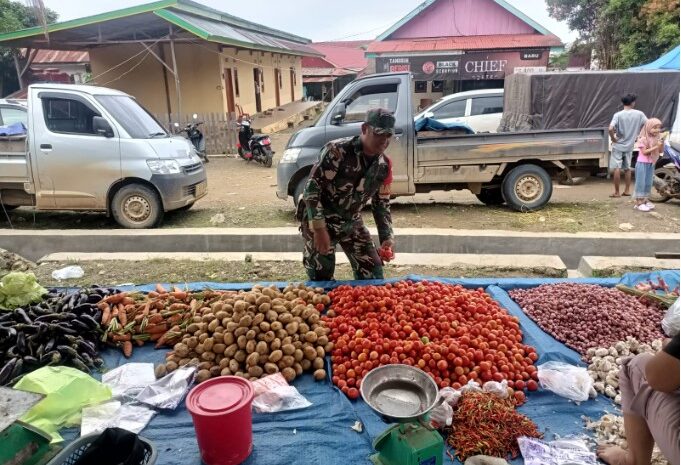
605 266
569 247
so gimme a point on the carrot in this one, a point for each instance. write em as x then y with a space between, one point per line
140 342
155 319
123 318
160 289
115 298
177 289
114 311
127 349
152 294
153 329
120 337
180 295
174 319
128 301
106 314
156 336
145 310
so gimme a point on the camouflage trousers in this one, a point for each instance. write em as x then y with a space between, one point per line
356 242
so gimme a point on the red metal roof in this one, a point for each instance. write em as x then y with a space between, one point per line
308 80
347 54
61 56
465 43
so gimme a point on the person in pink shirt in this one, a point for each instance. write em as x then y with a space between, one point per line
650 146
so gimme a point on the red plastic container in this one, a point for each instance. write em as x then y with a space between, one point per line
221 411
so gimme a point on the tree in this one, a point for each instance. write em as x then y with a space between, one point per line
624 33
15 15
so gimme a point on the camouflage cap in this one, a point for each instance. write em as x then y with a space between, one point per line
382 120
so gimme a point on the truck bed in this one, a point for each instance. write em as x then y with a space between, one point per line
13 165
479 157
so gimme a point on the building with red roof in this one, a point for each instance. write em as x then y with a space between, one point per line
457 45
342 62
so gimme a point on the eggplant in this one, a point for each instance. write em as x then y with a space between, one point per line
77 363
50 358
91 322
80 325
22 314
21 343
67 351
50 345
94 298
7 370
18 366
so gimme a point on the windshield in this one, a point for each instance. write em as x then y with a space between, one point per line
136 120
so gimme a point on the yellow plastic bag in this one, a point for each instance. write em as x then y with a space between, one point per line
67 391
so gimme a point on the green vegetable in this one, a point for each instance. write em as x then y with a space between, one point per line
18 289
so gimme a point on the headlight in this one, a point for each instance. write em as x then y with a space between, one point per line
290 155
164 166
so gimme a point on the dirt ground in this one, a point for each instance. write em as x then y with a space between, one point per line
183 271
245 195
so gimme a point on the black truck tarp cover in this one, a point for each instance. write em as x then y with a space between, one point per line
583 100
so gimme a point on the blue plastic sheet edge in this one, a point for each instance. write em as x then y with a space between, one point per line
322 433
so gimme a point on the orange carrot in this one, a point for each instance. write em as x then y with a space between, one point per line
140 342
153 329
127 349
123 318
160 289
106 314
120 337
156 336
115 298
155 319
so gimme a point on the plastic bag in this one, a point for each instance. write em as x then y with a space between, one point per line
569 381
133 418
168 392
279 399
70 272
498 389
130 379
670 323
561 452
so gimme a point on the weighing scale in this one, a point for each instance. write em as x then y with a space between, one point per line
22 444
404 395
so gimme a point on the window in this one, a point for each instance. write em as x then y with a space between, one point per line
438 86
236 83
455 109
420 87
487 105
69 116
136 120
11 115
366 98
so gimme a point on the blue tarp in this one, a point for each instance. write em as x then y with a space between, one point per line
669 60
15 129
322 434
430 124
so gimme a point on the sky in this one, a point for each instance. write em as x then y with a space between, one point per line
314 19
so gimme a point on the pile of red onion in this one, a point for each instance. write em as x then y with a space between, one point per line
583 316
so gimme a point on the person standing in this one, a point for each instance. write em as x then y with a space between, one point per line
650 146
350 173
624 128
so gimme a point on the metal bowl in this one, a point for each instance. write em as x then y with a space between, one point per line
399 392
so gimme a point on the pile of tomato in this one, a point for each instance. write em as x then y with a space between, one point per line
452 333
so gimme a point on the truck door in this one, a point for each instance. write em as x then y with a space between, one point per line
76 164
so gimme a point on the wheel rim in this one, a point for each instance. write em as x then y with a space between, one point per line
136 208
529 188
668 178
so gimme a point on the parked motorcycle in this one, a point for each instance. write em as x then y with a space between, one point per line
666 177
254 147
195 136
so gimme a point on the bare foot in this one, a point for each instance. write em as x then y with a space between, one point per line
613 455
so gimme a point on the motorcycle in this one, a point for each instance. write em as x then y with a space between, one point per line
666 175
254 147
195 136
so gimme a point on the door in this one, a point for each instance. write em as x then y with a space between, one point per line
486 112
75 165
258 87
452 111
229 89
292 80
277 85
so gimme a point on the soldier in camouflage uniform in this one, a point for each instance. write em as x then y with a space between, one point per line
350 173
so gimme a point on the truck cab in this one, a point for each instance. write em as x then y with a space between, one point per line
97 149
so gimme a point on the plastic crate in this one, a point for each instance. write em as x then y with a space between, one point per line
75 450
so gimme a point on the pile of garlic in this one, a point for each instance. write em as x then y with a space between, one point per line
605 363
609 429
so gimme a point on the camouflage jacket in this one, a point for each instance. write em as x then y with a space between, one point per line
343 181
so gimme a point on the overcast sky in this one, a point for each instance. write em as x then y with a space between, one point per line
313 19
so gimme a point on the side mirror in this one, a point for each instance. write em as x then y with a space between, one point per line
102 127
429 114
338 114
195 116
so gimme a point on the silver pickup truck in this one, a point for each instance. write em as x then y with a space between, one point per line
512 168
96 149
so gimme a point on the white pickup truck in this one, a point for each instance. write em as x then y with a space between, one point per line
96 149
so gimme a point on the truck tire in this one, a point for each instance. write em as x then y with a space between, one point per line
137 207
300 188
527 188
491 196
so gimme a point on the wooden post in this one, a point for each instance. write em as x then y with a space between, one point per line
161 53
177 76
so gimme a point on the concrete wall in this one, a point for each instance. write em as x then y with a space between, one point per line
200 69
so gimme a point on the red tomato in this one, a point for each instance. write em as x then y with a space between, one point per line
353 393
520 385
532 385
519 397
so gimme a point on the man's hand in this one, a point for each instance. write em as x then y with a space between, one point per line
322 241
387 252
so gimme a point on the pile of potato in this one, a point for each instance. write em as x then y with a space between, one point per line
256 333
